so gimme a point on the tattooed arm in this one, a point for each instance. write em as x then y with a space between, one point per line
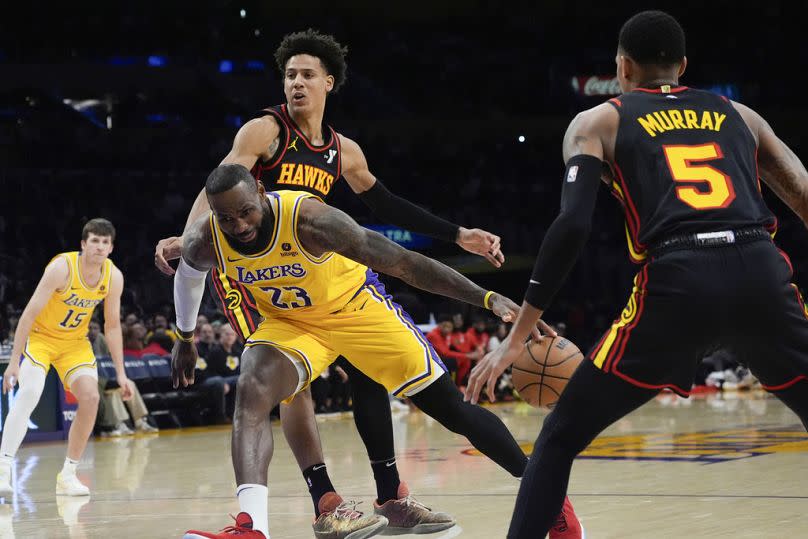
780 168
322 228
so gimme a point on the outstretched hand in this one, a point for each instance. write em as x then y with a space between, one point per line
480 242
167 249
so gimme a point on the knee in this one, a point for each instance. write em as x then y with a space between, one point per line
89 397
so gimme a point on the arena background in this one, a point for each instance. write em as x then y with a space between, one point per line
121 110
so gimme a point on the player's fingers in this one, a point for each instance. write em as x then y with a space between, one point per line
162 263
537 336
472 390
547 329
492 259
492 381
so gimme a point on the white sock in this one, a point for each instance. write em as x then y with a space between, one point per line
252 499
6 460
70 466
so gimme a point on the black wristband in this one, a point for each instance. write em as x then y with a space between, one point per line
403 213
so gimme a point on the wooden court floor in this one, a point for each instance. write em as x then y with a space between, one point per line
710 467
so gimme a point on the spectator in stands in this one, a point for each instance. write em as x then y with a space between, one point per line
458 363
133 337
460 342
477 334
97 339
160 343
499 335
206 338
160 325
224 363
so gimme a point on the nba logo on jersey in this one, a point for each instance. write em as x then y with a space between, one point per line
572 174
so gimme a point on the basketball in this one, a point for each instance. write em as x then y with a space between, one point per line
541 372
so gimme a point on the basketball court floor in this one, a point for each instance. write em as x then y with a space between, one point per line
704 467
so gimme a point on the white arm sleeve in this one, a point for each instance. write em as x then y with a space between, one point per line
189 286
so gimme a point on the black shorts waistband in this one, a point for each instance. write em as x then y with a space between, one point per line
709 239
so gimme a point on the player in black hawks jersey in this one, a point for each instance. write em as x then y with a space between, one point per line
288 147
684 164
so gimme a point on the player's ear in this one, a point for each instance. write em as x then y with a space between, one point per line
261 189
682 67
329 83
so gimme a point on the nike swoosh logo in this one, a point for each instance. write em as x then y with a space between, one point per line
390 464
233 259
534 282
320 467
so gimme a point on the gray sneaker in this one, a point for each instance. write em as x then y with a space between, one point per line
408 515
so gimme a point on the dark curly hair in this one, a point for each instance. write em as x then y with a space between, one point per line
653 37
322 46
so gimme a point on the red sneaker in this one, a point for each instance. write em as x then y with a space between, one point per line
567 526
243 530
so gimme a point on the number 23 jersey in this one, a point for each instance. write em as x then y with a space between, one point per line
286 280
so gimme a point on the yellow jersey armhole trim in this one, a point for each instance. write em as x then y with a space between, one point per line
70 272
295 216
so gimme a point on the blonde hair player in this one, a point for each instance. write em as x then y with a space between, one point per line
52 331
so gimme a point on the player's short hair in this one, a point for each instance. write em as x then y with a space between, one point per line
653 37
225 177
322 46
98 226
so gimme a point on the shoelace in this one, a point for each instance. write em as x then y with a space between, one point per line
347 510
409 501
235 530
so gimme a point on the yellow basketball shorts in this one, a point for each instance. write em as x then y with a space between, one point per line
68 357
371 331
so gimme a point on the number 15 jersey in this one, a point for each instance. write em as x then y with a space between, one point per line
67 314
685 162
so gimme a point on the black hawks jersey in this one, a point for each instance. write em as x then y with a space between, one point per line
297 164
685 162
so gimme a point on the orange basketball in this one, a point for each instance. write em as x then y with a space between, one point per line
541 372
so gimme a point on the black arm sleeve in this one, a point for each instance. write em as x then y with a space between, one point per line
397 211
566 237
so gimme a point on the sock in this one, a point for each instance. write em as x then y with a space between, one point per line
6 460
385 472
319 483
252 499
70 466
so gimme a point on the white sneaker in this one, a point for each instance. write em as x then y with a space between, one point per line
69 485
141 425
5 481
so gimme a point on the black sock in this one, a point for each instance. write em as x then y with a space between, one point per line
319 483
385 472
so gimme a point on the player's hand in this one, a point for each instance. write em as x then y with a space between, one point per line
480 242
183 363
127 387
11 376
167 249
488 370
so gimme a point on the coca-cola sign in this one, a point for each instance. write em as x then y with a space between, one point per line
596 85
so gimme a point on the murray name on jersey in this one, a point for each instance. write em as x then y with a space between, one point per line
661 121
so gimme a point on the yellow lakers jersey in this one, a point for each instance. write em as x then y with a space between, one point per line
284 279
67 314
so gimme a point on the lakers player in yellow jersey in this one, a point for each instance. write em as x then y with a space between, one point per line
306 264
52 331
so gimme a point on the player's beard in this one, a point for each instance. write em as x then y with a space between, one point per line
261 240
